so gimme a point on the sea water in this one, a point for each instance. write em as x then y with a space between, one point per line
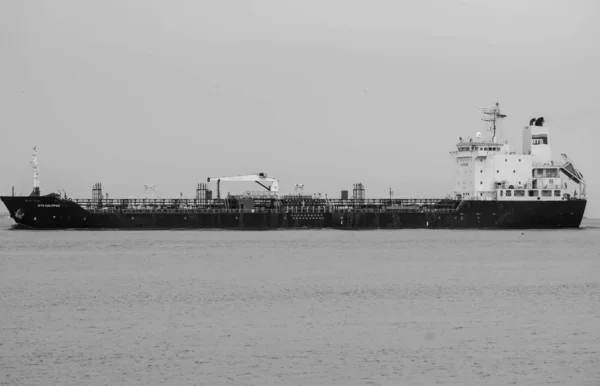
301 307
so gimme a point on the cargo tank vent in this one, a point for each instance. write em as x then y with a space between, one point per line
202 192
97 193
358 191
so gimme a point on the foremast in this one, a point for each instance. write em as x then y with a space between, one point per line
36 174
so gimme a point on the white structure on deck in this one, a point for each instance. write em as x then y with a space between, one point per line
489 170
269 183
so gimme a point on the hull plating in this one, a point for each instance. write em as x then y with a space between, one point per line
53 213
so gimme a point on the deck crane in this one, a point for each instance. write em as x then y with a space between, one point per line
259 178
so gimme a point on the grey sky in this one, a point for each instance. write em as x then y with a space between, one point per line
325 93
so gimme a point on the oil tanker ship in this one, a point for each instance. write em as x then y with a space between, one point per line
495 188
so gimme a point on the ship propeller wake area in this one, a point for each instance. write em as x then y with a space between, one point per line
570 171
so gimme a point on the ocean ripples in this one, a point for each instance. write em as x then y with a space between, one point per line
311 307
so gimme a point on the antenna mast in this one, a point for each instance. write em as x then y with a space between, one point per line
36 174
494 115
299 187
152 191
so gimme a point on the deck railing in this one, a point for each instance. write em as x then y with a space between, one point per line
247 211
135 202
266 205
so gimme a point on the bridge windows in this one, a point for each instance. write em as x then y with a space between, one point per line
546 173
530 193
557 193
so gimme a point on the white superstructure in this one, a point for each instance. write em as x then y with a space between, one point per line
489 170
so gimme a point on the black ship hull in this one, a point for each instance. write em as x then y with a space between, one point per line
51 212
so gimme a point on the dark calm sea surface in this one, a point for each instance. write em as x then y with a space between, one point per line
305 307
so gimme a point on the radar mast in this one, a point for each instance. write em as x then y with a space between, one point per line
494 115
